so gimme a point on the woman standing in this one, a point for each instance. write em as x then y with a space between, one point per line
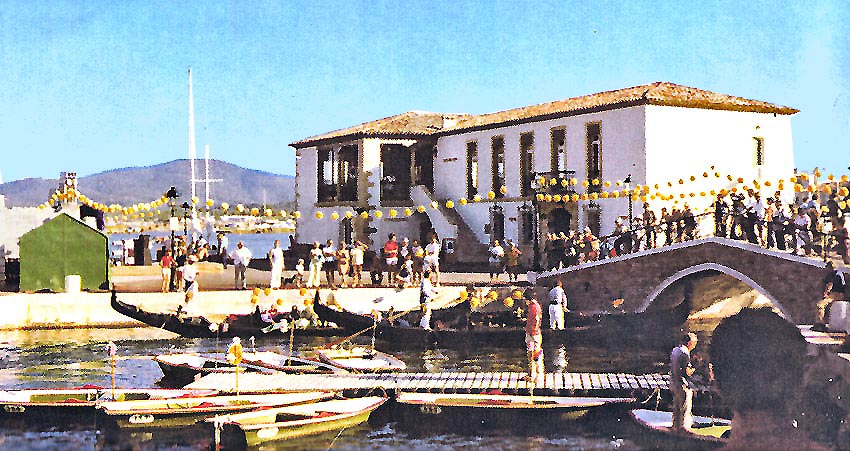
317 258
343 257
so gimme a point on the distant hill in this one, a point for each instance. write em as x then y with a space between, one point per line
128 186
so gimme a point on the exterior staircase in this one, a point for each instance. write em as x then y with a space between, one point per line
448 223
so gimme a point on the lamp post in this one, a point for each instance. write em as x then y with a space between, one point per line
628 182
172 196
186 207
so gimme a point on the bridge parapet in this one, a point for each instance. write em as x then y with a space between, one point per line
794 284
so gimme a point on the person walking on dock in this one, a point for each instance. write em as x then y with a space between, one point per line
166 264
534 337
241 258
557 306
190 281
680 382
276 261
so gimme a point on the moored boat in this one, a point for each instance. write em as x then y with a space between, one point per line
706 432
495 411
187 411
360 359
56 404
234 325
253 428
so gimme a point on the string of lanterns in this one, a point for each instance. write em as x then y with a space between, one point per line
799 183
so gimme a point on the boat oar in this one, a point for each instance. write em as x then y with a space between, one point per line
113 350
372 327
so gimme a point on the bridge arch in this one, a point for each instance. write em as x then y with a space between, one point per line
715 267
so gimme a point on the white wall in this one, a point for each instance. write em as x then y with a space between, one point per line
687 141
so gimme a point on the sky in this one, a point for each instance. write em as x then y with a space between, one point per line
89 86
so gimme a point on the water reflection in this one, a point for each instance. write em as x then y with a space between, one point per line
77 357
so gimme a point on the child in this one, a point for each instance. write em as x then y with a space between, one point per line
299 273
405 274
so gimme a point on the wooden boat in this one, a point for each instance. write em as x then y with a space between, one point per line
243 325
706 433
168 413
646 329
56 404
181 369
495 411
360 359
260 426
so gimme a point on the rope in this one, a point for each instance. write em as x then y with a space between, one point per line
373 326
657 393
337 436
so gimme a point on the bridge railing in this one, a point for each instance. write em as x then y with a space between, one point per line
819 241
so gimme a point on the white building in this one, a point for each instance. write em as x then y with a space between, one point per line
657 133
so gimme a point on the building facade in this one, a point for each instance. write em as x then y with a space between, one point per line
475 178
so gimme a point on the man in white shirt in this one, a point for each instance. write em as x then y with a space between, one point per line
223 243
357 263
276 261
241 258
496 259
432 258
557 306
427 293
190 280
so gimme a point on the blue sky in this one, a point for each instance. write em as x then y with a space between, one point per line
92 86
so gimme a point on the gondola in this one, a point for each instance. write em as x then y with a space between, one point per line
242 325
258 427
654 329
474 413
360 359
181 369
706 433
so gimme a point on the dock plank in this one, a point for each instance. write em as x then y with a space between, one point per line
585 381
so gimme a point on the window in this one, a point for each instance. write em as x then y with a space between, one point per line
526 163
471 169
527 225
559 149
347 175
594 156
395 175
758 151
497 146
327 176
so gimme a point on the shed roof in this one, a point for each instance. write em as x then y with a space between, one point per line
418 123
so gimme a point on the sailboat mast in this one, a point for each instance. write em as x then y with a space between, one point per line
207 181
192 150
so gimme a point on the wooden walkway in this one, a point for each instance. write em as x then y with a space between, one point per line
445 382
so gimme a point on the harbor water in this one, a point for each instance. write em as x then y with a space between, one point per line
66 358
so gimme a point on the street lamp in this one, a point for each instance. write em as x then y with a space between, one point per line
628 182
186 207
172 196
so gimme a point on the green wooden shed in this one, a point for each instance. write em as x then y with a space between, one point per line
61 247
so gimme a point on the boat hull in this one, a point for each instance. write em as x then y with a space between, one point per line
708 433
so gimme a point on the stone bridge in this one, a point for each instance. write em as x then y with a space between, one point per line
793 284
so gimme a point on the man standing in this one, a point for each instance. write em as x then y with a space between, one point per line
432 258
557 306
720 211
357 264
427 293
276 261
241 258
680 382
166 264
223 244
190 279
497 257
534 337
391 257
330 264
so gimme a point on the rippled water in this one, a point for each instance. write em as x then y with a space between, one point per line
63 358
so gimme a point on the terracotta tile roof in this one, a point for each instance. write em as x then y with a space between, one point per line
410 124
417 123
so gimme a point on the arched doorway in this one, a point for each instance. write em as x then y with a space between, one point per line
559 220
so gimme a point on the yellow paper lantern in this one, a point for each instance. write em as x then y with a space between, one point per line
810 188
541 197
595 182
793 179
583 196
393 213
573 181
491 195
195 199
509 302
282 213
542 181
450 204
319 215
553 181
607 184
615 194
408 212
804 177
767 183
574 197
434 204
476 198
240 208
462 201
843 178
693 179
842 204
548 198
268 212
255 291
594 196
255 211
585 183
364 214
224 206
296 214
503 189
830 177
604 194
556 198
267 291
798 188
379 214
420 209
681 182
463 294
334 216
210 202
253 300
564 182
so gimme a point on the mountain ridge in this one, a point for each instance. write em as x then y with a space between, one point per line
135 184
